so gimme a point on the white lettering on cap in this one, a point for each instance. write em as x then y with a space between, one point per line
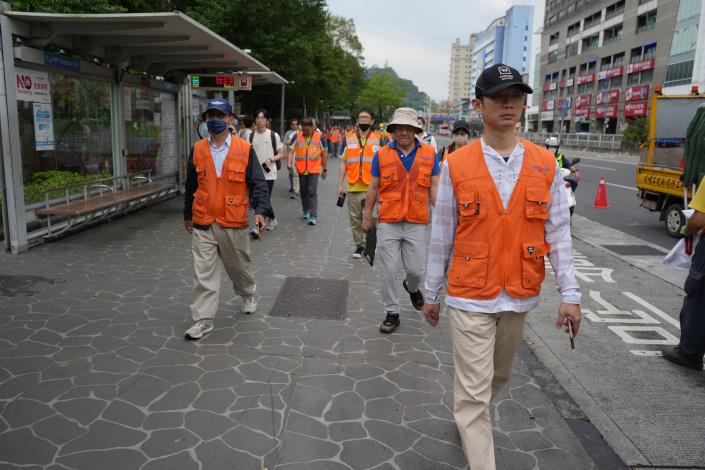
505 73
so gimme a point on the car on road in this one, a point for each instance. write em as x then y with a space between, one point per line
443 129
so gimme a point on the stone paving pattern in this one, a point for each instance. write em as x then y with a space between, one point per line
95 373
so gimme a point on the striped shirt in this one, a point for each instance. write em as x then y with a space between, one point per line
557 229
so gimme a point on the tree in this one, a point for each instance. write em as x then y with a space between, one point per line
68 6
383 93
637 133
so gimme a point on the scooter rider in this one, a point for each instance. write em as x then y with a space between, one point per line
553 145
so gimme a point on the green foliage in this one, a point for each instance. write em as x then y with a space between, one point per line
53 179
68 6
413 97
636 134
383 93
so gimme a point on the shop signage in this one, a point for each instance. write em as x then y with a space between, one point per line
640 66
636 93
583 100
589 78
607 97
615 72
609 111
546 87
547 115
561 84
569 82
62 62
547 105
244 83
43 126
582 114
635 109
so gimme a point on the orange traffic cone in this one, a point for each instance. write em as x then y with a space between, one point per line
601 197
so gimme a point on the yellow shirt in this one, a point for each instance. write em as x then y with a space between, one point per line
358 187
698 202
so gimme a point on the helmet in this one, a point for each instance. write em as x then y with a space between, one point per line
552 142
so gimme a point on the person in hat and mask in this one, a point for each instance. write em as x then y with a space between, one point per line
223 171
461 136
501 208
404 181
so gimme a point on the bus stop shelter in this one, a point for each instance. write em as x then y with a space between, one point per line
100 94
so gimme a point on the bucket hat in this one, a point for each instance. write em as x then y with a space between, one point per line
404 117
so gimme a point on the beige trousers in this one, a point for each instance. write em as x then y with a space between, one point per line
232 247
295 180
356 204
484 346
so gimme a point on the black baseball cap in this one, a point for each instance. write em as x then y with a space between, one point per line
497 78
461 124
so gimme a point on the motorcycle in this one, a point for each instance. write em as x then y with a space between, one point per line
571 180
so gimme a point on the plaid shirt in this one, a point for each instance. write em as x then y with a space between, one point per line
557 228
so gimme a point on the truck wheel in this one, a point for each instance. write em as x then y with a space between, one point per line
674 220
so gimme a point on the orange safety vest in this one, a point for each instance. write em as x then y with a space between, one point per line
495 249
308 157
335 136
359 160
223 200
404 196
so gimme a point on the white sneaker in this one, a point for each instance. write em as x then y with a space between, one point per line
272 224
199 329
249 305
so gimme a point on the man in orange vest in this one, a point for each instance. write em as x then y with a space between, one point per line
310 158
361 145
404 181
223 170
501 208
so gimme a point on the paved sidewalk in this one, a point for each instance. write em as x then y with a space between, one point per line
94 371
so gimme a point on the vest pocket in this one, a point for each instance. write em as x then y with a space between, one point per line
236 209
199 208
425 177
532 263
537 200
388 176
469 204
469 265
236 172
390 205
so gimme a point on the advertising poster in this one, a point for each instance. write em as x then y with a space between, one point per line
43 126
32 85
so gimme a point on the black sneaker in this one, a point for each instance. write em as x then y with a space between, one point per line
416 297
674 355
390 323
358 252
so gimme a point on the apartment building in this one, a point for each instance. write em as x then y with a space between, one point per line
460 64
600 61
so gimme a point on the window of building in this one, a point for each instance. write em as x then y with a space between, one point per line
613 34
635 55
574 29
643 2
614 10
552 57
633 79
606 63
647 76
603 85
592 20
583 69
679 74
618 59
571 49
650 51
646 22
592 65
616 82
553 39
591 42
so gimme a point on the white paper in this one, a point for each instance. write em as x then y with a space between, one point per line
32 85
43 126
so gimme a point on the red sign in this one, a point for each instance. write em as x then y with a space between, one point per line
640 66
615 72
561 84
546 87
607 97
582 113
635 109
583 100
609 111
636 93
547 105
589 78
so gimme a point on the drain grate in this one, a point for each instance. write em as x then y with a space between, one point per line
307 297
634 250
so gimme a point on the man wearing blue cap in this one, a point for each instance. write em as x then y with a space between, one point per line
223 179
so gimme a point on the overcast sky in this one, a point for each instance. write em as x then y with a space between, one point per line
414 36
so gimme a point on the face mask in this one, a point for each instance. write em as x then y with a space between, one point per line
217 126
364 127
460 139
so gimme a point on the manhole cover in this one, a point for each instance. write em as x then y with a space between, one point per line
307 297
634 250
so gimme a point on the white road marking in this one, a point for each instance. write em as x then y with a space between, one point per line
646 353
595 166
604 161
584 273
623 333
656 311
631 188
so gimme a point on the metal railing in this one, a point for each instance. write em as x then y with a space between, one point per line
579 140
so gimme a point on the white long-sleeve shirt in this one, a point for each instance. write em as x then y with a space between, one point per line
557 232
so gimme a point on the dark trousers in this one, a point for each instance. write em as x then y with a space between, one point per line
270 212
309 193
692 318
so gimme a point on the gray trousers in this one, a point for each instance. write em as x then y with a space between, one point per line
309 193
400 244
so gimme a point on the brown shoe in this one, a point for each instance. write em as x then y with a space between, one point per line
674 355
390 323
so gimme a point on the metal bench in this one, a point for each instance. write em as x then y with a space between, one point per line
93 201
